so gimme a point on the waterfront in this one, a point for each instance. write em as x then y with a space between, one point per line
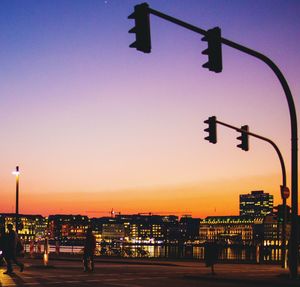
227 253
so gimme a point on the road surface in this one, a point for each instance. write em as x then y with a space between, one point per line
143 274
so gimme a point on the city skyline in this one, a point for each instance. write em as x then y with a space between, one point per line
95 125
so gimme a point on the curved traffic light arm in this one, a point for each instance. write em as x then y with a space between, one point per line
264 139
283 187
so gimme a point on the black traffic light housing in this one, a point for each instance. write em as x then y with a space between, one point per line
244 138
212 129
141 28
214 50
278 213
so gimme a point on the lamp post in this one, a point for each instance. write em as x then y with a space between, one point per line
17 174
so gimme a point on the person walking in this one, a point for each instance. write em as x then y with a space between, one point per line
89 250
211 252
2 245
10 250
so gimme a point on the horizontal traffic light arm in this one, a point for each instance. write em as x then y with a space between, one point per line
264 139
283 246
241 48
250 52
177 21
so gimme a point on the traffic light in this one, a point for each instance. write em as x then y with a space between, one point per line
212 129
244 138
214 50
278 213
141 28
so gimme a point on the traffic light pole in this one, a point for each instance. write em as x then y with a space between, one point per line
293 250
293 243
283 243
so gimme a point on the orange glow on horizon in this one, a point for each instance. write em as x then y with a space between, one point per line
198 200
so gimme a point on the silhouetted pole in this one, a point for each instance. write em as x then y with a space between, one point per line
283 244
17 173
283 187
293 250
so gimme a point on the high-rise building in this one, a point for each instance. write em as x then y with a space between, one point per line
256 204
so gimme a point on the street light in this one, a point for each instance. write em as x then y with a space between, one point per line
17 174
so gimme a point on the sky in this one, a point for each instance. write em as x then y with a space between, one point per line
95 125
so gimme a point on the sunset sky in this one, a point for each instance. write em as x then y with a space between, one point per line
96 125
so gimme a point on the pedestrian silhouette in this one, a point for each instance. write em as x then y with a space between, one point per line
10 250
211 252
2 245
89 250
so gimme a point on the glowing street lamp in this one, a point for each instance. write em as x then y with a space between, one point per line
17 174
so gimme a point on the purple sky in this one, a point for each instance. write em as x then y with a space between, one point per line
86 116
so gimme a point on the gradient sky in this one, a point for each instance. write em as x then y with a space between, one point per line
95 125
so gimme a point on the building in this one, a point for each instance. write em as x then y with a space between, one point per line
97 226
140 228
67 228
256 204
30 227
230 229
171 228
112 230
189 228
